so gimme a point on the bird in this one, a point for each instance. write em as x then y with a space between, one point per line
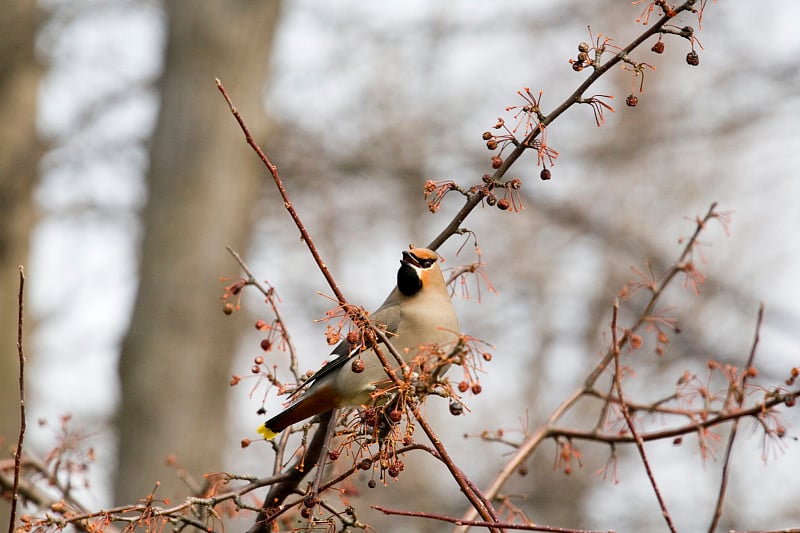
417 315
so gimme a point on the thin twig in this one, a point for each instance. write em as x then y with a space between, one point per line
269 294
22 422
475 523
723 485
629 420
304 235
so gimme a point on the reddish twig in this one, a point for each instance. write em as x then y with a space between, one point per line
269 294
22 423
760 408
287 203
724 481
475 523
629 420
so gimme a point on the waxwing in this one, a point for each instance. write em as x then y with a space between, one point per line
417 315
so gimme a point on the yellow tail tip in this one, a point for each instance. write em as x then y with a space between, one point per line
265 432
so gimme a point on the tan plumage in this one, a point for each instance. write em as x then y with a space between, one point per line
418 313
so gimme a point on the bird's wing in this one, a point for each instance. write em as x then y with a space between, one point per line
384 317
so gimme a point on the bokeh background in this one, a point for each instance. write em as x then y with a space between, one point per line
124 177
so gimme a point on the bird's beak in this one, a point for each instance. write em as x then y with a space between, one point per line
410 259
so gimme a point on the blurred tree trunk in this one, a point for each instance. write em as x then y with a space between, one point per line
20 151
203 181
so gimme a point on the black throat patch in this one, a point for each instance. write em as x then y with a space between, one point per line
408 281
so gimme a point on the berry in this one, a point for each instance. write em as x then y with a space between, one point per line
476 388
266 344
583 47
545 174
260 324
395 415
692 58
258 360
255 369
491 144
456 408
632 100
227 308
395 468
463 386
353 338
357 366
371 484
497 161
503 204
658 47
487 135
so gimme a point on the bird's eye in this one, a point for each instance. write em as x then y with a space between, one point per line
427 263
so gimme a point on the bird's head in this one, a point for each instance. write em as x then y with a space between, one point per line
419 268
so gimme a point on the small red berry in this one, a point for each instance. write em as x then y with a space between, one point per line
365 464
487 135
658 47
692 58
260 324
357 366
255 369
491 144
227 308
395 415
258 360
395 468
456 408
583 47
371 484
545 174
353 338
476 388
632 100
503 204
266 344
497 161
487 356
463 386
515 184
